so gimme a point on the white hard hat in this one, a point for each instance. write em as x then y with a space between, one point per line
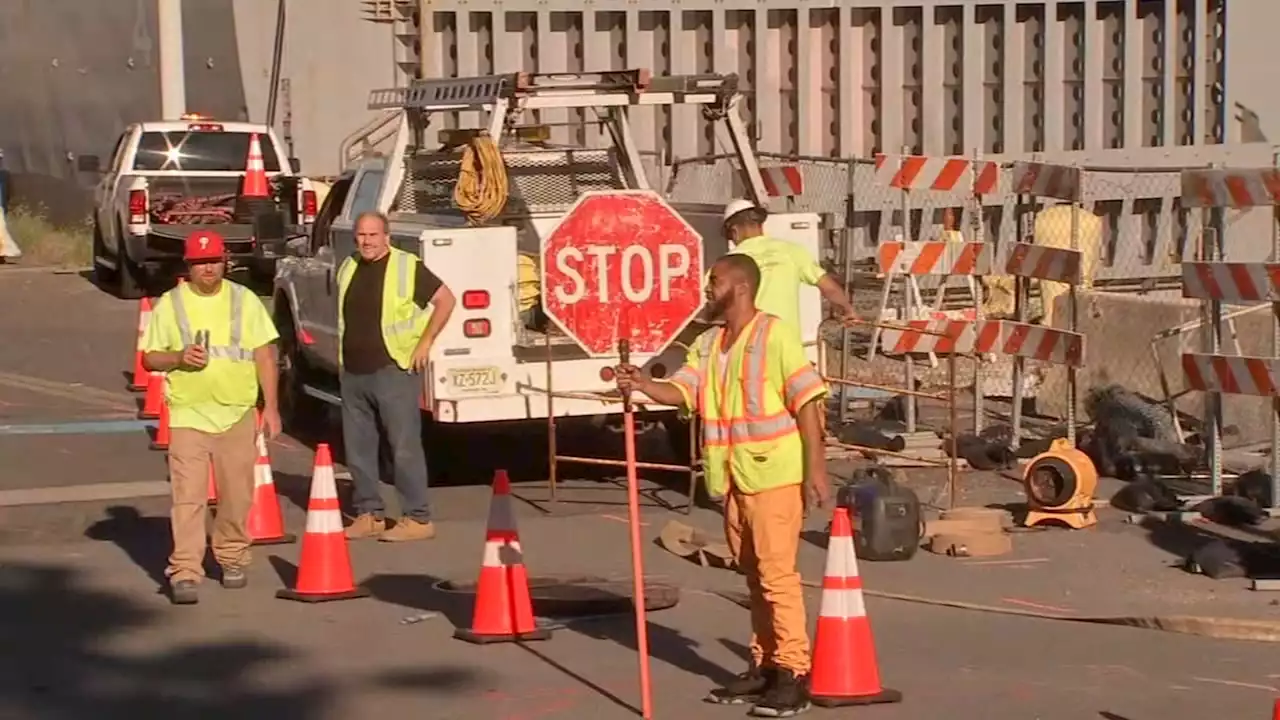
736 206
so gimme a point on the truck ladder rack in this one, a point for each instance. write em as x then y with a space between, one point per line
556 90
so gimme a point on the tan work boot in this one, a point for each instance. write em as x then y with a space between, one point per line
366 526
407 529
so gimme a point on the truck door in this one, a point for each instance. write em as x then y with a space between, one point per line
316 289
106 194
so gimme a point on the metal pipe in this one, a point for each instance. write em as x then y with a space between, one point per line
551 424
277 59
173 73
952 464
886 388
606 462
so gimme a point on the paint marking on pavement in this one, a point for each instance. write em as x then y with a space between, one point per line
68 391
91 427
1234 683
1036 606
83 493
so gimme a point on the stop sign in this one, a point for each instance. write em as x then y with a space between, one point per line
622 264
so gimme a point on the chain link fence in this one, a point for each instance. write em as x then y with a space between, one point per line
1131 230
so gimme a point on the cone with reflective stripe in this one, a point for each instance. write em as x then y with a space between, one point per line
141 377
266 521
845 671
504 610
1275 713
154 399
324 570
255 174
161 440
213 487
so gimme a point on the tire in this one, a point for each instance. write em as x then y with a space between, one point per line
130 278
300 413
102 275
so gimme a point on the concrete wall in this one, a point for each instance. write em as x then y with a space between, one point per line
332 60
1118 331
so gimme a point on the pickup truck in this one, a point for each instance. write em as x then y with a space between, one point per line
492 362
166 179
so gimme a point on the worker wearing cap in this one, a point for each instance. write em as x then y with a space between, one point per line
784 266
760 401
213 340
391 309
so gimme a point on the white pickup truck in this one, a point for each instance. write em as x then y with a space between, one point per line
165 179
489 363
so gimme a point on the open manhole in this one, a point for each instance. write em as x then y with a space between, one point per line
574 595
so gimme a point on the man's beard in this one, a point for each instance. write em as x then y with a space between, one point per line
716 307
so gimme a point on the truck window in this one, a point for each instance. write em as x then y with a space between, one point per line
333 203
200 151
365 197
117 155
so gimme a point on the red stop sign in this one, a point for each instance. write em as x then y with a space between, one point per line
622 264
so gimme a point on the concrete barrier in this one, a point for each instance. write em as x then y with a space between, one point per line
1118 329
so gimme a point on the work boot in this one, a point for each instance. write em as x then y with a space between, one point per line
407 529
184 592
366 526
748 687
788 697
234 578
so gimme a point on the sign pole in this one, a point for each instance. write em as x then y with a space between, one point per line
637 561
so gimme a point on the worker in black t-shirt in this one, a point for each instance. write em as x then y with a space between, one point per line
391 308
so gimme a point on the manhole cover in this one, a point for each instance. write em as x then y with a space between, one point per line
554 596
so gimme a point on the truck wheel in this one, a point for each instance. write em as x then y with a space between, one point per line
130 280
102 274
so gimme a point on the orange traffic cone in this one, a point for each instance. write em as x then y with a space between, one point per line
154 399
213 486
161 440
141 377
266 521
255 174
1275 714
845 671
324 570
504 610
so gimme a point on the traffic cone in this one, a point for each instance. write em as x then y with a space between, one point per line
213 486
503 610
255 173
155 398
324 570
845 671
1275 713
141 377
266 521
161 440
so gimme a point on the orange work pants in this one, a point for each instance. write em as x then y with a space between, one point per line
763 532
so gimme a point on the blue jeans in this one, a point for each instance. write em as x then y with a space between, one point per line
385 401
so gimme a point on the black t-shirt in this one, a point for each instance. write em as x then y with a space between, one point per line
363 350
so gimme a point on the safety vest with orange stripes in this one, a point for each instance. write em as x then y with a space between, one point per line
748 396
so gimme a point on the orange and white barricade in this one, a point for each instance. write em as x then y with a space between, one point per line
1216 282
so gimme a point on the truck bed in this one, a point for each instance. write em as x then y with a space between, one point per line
188 201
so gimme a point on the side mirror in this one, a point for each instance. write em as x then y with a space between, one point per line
295 165
89 163
298 247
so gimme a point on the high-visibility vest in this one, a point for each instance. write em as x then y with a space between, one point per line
403 322
750 435
230 375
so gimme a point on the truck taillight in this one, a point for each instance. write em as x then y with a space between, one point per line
475 299
476 328
309 206
137 207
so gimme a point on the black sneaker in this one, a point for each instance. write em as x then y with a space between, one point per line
184 592
234 578
747 687
788 696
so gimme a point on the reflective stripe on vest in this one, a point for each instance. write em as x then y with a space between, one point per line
754 426
403 268
231 351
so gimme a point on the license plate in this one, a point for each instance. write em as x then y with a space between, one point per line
474 381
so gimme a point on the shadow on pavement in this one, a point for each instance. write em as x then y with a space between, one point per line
145 539
64 669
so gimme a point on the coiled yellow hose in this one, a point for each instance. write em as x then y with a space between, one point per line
481 191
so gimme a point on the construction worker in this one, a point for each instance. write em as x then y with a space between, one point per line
391 308
213 339
784 266
760 401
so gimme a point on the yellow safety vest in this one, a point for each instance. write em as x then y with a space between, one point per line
748 407
403 322
230 378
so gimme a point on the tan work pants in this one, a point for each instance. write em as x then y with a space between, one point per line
233 455
763 532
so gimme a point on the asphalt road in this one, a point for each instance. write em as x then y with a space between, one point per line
86 633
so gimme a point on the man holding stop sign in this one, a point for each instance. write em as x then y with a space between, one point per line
761 404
